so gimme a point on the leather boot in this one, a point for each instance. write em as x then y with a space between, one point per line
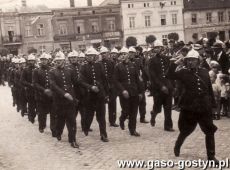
178 144
210 147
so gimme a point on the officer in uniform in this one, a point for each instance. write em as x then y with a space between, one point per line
20 98
196 104
11 74
92 77
26 79
114 55
161 87
62 81
79 91
108 66
129 90
138 63
43 94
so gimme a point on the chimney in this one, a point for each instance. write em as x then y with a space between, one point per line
89 3
24 3
72 4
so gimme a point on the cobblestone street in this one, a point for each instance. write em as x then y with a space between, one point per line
22 147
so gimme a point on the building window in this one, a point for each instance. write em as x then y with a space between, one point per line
147 21
146 4
111 25
209 17
78 29
173 2
42 48
94 27
40 29
221 16
28 31
194 19
130 5
131 22
165 39
174 19
163 19
62 29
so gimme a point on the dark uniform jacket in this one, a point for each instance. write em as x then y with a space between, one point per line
17 79
41 82
158 68
127 78
108 66
62 81
197 94
93 74
26 79
79 90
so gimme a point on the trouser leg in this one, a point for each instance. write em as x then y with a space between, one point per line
71 124
142 107
133 109
168 112
100 115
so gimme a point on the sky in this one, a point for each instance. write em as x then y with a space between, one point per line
4 4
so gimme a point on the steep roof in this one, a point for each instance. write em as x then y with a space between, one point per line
190 5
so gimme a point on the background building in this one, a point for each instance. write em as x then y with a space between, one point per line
11 37
78 28
202 18
36 31
145 17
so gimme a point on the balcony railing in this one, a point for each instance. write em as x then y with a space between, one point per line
17 39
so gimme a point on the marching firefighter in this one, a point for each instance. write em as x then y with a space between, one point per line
161 87
62 81
43 94
129 90
136 59
197 101
92 77
79 91
26 79
108 66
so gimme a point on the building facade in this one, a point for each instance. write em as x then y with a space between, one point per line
204 18
36 31
78 28
147 17
11 37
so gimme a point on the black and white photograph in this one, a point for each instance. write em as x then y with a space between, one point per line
114 84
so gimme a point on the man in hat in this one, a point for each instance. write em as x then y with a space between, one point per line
129 89
62 81
161 87
137 60
79 91
43 94
221 57
20 88
26 79
92 77
196 104
108 66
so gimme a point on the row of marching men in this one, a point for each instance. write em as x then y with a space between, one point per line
82 84
64 90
